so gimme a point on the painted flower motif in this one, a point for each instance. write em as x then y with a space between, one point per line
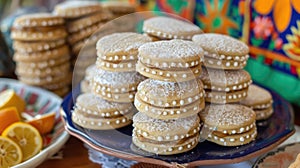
282 10
262 27
216 19
292 48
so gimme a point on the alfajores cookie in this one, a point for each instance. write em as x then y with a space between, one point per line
116 86
43 64
229 124
225 86
222 51
119 51
169 100
118 8
160 136
92 112
38 20
170 28
39 33
172 61
260 100
90 72
37 46
47 55
42 72
81 23
75 9
84 33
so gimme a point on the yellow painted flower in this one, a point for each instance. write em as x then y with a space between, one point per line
282 10
292 48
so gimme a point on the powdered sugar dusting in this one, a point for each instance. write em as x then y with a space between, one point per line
173 49
228 114
224 78
221 44
153 124
163 89
171 25
256 94
119 42
76 4
118 79
91 71
90 100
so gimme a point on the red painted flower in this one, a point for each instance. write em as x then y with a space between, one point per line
262 27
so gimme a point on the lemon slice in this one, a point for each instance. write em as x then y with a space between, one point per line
10 153
43 123
26 136
9 98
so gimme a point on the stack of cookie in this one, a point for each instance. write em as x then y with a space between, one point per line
41 54
171 98
83 18
224 79
225 82
113 83
167 28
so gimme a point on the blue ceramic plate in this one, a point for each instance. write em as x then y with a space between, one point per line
118 142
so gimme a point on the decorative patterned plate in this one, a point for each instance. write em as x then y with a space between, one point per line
40 101
118 142
280 158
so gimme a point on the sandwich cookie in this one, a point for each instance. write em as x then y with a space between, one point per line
81 23
118 8
222 51
38 27
37 46
159 136
116 86
169 100
38 72
225 86
229 124
35 57
76 9
95 113
170 28
90 72
119 51
260 100
172 61
39 33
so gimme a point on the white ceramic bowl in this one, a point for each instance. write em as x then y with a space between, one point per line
40 101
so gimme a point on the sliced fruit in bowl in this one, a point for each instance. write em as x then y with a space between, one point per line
8 116
10 153
26 136
10 98
44 123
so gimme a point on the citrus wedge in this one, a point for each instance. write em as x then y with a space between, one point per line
10 98
10 153
43 123
26 136
7 117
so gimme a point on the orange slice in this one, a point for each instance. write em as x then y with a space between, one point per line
26 136
43 123
9 98
7 117
10 153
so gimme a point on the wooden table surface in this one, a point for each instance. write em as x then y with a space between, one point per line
75 155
